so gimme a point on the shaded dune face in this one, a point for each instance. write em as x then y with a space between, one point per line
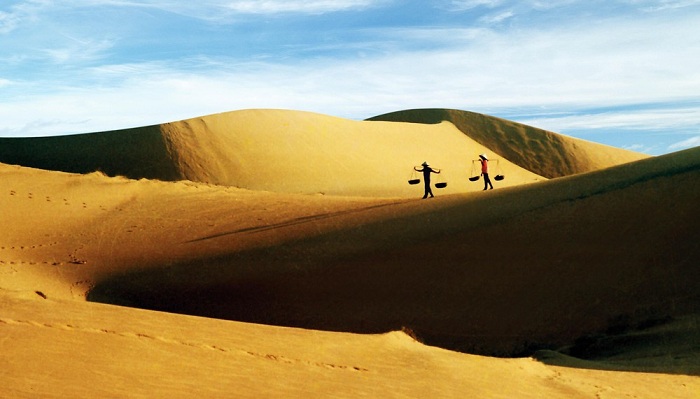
134 153
530 268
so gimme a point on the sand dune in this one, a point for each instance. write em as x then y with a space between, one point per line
480 274
592 278
543 152
301 152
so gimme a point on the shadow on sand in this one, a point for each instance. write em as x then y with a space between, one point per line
669 346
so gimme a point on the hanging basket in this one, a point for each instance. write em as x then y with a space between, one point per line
413 178
499 174
475 178
441 185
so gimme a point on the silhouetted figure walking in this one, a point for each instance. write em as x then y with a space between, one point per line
427 170
485 171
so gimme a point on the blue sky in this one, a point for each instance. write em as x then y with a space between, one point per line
619 72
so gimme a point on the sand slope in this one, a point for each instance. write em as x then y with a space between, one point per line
592 277
57 349
495 274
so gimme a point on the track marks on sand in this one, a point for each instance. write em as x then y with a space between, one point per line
26 247
299 220
197 345
7 259
71 258
63 200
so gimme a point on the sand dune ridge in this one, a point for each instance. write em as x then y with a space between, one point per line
543 152
292 151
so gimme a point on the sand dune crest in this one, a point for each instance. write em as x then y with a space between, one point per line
292 151
542 152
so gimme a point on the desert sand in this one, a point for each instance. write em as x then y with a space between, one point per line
276 253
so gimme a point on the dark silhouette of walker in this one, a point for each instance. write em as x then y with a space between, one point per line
427 170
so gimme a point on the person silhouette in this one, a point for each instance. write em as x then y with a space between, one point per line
485 171
427 170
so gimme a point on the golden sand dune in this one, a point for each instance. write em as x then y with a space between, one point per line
291 151
543 152
589 276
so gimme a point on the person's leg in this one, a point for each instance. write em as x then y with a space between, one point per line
487 181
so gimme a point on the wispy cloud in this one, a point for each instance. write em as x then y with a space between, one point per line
305 7
498 17
643 148
657 117
688 143
661 5
18 12
464 5
222 9
77 51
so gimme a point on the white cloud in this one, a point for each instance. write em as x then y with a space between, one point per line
464 5
140 94
497 18
76 51
18 13
643 148
688 143
8 22
672 118
221 9
298 6
662 5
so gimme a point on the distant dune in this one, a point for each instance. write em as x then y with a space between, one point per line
542 152
576 277
291 151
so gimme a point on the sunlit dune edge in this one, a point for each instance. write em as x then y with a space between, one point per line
335 277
